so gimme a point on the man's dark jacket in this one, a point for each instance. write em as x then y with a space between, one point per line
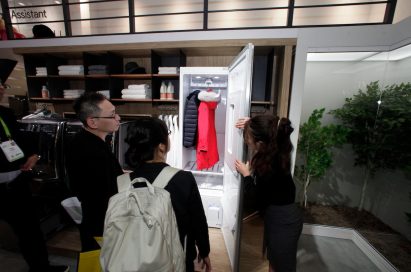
92 171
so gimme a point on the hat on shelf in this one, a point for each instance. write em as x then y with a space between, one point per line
42 31
133 68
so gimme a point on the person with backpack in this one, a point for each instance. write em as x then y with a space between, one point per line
91 166
148 146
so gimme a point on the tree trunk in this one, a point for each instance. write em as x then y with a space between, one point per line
306 184
364 188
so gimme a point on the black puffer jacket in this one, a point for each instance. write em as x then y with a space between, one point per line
190 119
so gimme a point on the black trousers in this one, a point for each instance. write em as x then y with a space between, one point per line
88 243
16 208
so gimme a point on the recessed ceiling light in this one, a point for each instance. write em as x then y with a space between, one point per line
198 76
216 77
393 55
57 2
340 56
21 4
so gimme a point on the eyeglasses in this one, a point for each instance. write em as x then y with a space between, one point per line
105 117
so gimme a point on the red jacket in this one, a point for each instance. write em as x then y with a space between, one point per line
207 151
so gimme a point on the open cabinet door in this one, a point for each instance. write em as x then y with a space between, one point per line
238 105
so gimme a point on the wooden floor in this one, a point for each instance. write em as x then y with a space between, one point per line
251 256
67 243
218 254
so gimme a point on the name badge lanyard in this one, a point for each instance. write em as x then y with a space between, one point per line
6 129
10 149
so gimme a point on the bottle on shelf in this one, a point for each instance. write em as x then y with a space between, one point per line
45 92
163 91
170 91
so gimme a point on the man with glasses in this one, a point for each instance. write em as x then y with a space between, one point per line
92 167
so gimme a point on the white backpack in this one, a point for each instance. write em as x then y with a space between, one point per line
140 228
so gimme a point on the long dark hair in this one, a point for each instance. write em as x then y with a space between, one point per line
272 135
143 137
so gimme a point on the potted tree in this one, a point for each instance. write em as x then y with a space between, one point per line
315 145
379 123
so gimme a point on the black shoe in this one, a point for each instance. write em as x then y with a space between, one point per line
58 268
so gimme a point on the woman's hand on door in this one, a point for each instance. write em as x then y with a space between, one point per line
241 122
243 168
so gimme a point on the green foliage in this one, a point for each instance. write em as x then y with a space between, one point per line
379 133
314 149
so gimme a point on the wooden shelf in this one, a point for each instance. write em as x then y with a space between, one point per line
40 99
98 76
166 100
52 99
62 99
166 75
45 76
132 76
262 103
131 100
68 76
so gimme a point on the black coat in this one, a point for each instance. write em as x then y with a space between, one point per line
187 206
190 119
92 170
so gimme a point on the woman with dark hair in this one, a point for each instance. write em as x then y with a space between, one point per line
148 146
269 171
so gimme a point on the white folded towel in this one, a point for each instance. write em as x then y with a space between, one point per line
71 67
138 92
73 92
167 70
72 96
134 96
71 73
166 67
138 86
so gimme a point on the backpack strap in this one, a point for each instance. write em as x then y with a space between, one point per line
123 182
165 176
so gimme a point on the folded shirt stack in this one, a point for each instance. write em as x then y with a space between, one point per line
136 91
72 93
97 69
41 71
167 70
106 93
71 70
